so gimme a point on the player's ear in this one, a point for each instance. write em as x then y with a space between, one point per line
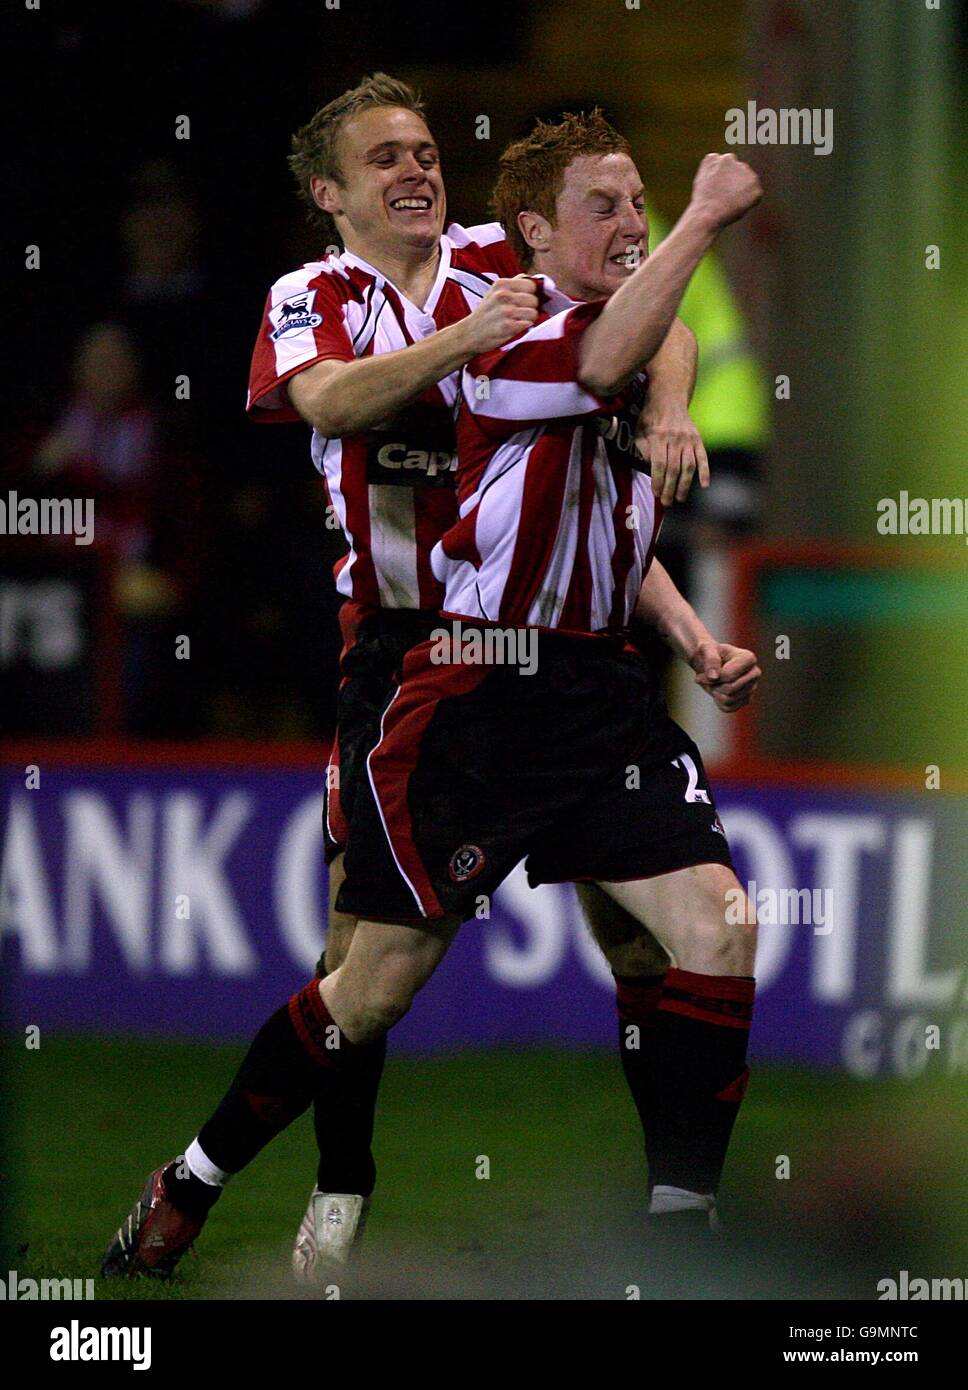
535 230
325 194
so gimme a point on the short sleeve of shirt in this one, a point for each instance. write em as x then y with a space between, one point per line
495 250
302 323
485 248
502 260
534 377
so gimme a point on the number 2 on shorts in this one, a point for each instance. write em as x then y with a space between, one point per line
694 791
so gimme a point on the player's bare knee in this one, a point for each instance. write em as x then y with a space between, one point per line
374 1010
739 916
720 938
727 951
643 956
380 1014
392 987
744 937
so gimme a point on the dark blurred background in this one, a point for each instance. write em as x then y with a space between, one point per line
157 251
156 255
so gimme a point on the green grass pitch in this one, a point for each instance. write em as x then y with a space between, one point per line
873 1178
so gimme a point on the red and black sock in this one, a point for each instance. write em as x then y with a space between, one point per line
344 1109
343 1116
637 999
299 1054
697 1076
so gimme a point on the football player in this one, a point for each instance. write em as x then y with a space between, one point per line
575 765
365 346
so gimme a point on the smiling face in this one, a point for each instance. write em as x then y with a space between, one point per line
600 232
391 193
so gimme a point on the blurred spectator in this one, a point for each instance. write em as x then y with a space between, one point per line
104 444
109 444
160 232
163 281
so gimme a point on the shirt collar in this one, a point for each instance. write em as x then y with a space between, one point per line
436 289
553 300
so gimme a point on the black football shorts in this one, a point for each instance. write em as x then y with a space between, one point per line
575 768
370 667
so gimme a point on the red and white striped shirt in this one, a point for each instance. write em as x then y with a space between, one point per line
557 525
392 488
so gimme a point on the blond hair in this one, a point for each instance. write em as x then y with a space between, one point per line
314 144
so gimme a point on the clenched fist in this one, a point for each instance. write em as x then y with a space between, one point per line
729 674
725 189
508 308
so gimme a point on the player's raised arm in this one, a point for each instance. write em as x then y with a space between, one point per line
638 316
339 398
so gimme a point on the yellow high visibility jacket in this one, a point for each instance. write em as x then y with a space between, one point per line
730 405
